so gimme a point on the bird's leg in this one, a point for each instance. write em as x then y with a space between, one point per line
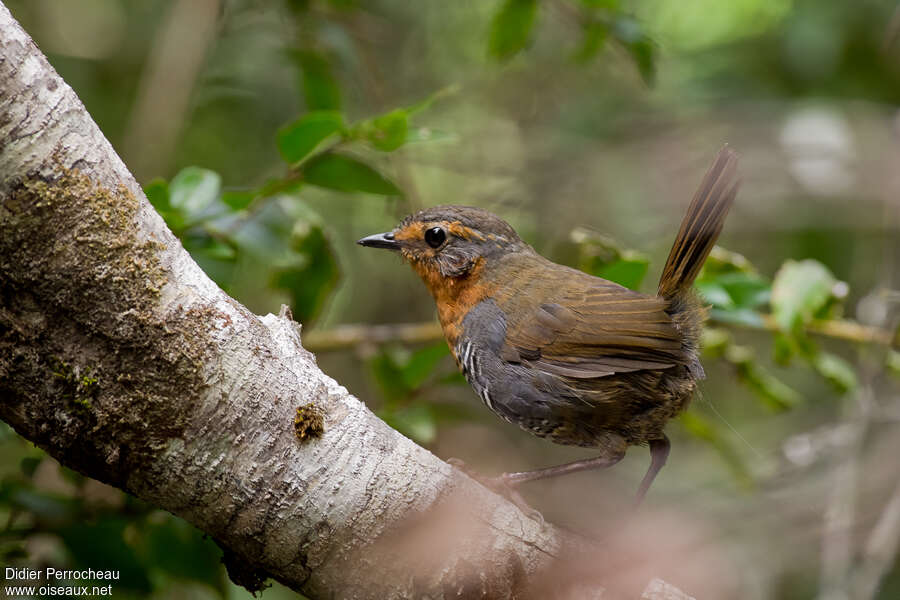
600 462
659 452
507 483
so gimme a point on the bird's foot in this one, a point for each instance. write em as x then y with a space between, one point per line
503 485
460 464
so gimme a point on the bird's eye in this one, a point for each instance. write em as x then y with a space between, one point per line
435 236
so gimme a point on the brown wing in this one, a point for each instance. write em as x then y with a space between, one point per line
589 327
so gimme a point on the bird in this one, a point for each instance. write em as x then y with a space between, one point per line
565 355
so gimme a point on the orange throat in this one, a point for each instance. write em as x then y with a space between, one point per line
454 296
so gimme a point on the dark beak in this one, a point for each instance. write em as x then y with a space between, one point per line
380 240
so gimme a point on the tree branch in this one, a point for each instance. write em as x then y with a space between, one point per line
122 360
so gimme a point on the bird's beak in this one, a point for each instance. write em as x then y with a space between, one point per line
380 240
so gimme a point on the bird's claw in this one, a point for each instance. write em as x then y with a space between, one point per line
462 466
504 486
501 485
457 462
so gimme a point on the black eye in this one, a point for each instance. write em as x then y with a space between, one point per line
435 236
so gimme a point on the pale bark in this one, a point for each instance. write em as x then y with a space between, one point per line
122 360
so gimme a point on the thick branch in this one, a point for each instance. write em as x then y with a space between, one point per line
125 362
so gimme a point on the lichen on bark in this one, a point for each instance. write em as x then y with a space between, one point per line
79 308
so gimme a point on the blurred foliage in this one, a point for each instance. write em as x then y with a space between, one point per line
97 527
270 229
402 376
305 123
603 257
600 20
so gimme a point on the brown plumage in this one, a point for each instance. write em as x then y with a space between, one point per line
565 355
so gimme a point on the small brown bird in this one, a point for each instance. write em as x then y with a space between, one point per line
564 355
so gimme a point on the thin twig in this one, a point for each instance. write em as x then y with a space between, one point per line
842 329
349 336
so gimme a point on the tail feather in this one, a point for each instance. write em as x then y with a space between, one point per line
701 225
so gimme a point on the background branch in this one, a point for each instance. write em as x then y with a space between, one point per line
164 92
350 336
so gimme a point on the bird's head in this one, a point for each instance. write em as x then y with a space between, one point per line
447 243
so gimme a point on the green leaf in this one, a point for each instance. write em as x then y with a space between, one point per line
733 290
312 281
421 364
785 348
29 465
389 378
300 139
45 506
400 372
800 289
415 421
641 48
208 245
102 542
892 361
347 174
175 547
216 258
593 40
746 290
238 200
769 389
6 432
741 316
511 28
320 89
604 257
157 192
193 189
629 271
715 294
453 378
644 53
837 371
73 477
266 239
389 132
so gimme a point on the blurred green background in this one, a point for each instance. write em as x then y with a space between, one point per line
273 134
